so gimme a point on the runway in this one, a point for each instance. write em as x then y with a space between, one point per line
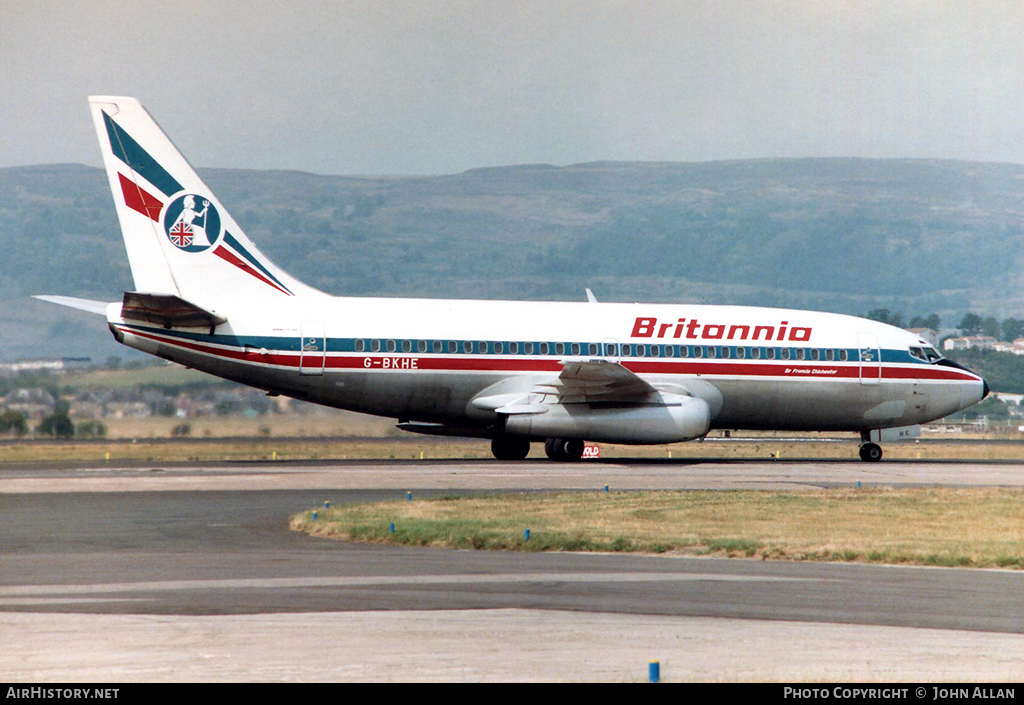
181 573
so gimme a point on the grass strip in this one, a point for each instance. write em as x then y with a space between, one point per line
939 527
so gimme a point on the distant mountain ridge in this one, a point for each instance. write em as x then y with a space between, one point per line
849 235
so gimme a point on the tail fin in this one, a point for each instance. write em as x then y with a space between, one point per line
181 241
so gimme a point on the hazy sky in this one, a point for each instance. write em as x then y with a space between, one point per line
428 87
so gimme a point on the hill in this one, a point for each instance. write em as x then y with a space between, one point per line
845 235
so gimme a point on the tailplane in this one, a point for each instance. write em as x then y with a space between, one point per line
181 241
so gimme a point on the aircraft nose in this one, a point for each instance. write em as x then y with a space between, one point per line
985 389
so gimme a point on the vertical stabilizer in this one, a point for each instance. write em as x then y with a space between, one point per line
180 240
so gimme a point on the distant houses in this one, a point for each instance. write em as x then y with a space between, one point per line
984 342
970 342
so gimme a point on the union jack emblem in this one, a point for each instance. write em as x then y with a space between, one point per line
181 235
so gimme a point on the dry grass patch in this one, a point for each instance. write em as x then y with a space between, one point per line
970 527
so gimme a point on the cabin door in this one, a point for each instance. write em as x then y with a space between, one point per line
312 348
870 358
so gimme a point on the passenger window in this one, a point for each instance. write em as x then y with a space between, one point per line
543 348
421 346
785 353
375 345
670 350
360 345
528 348
815 354
741 353
453 346
513 348
800 354
437 346
560 348
725 352
467 347
593 348
843 355
575 348
499 347
406 346
830 355
769 353
755 353
684 351
391 346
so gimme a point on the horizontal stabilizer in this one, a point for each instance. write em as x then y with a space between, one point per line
89 305
167 310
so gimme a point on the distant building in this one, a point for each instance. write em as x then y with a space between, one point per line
55 365
971 342
1016 347
1013 399
32 365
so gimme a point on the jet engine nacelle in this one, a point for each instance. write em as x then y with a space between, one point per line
684 420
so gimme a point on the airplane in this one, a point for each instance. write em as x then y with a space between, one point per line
514 372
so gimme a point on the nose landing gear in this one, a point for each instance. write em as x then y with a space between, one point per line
871 452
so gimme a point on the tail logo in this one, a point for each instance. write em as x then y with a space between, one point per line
192 223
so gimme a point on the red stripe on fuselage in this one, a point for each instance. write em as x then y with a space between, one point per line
688 366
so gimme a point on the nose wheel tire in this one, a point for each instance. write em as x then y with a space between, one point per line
563 450
871 452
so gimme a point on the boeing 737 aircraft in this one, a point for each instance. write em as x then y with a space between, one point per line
513 372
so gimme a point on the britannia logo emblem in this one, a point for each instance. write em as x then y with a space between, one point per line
192 223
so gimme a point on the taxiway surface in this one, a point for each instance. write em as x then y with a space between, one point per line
189 573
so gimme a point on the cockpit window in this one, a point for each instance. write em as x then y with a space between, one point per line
925 354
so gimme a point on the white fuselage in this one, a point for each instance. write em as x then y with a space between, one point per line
427 360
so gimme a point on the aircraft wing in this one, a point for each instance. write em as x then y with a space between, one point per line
596 381
89 305
588 381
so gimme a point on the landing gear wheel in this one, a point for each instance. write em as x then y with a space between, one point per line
510 448
871 452
573 450
563 450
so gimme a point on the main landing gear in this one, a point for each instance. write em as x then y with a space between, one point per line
510 448
513 448
563 450
871 452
